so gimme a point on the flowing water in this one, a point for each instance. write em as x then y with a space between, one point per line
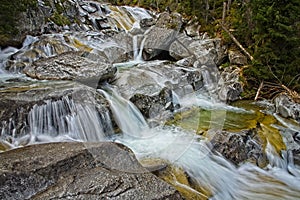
178 143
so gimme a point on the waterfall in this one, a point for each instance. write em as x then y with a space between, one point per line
127 116
137 52
4 55
63 120
135 47
138 13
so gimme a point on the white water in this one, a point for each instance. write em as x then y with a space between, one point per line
127 116
215 173
280 180
4 55
62 120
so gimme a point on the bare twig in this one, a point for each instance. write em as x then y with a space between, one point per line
224 13
258 90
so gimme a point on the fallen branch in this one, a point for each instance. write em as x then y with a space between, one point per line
292 93
237 42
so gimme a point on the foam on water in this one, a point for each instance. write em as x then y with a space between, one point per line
222 178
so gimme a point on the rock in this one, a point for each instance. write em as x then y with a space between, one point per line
287 107
78 171
19 21
72 66
51 109
147 81
208 51
57 16
179 49
151 106
147 22
39 47
240 147
192 29
237 58
159 37
230 86
187 62
291 139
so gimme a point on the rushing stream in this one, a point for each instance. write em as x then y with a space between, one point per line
183 142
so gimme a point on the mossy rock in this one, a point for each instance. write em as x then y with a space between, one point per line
10 15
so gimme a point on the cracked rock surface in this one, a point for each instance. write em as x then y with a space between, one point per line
78 171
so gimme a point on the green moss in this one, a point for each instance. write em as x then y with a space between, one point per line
60 19
10 12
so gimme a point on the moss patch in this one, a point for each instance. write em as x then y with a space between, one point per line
10 11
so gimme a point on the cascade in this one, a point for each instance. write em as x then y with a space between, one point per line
138 52
135 47
138 13
4 55
67 120
222 178
61 120
127 116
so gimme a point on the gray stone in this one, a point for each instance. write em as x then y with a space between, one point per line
78 171
241 147
148 83
208 51
179 49
287 107
72 66
192 28
230 86
159 37
237 58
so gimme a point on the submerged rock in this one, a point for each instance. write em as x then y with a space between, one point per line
78 171
71 66
240 147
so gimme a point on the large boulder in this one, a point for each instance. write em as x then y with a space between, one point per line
159 37
18 20
72 66
208 51
78 171
179 49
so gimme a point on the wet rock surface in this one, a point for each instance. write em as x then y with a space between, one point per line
17 103
162 34
240 147
78 171
72 66
287 107
230 86
150 85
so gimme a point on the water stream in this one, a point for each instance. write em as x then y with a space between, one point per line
177 142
